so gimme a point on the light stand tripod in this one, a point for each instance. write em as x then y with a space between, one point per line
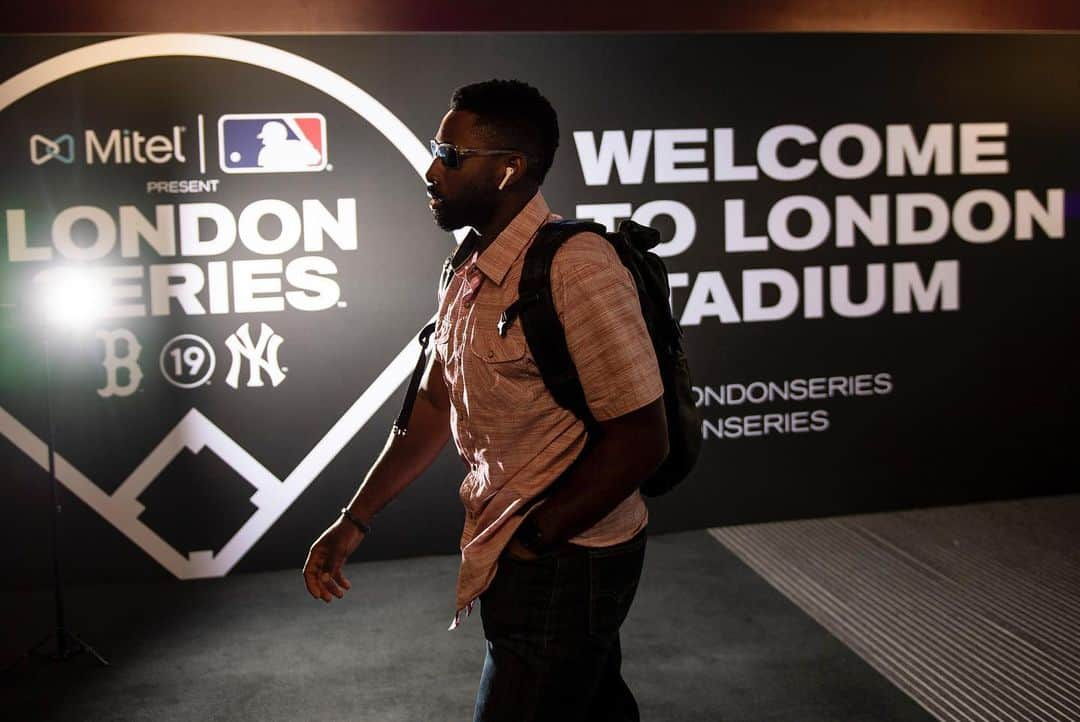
68 644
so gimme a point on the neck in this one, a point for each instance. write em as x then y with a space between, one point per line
501 218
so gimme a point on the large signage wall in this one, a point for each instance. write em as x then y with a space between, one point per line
870 239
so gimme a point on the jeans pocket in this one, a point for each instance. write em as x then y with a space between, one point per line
613 580
515 603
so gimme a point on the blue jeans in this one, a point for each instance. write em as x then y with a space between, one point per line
552 631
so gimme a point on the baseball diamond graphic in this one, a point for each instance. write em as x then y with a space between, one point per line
273 496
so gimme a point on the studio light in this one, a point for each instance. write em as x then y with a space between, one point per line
71 297
66 298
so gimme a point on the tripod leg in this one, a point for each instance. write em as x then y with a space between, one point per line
28 653
86 647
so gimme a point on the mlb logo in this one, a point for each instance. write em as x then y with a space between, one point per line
272 142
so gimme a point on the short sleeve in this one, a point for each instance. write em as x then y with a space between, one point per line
597 302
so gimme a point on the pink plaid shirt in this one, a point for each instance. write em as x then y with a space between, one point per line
512 436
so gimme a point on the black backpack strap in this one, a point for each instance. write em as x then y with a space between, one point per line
401 426
451 264
540 320
455 259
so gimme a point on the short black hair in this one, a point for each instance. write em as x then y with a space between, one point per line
516 115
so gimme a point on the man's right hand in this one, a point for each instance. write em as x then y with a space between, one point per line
402 460
322 570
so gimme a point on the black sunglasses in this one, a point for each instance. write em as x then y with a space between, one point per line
451 155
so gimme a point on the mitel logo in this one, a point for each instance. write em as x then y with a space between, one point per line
124 147
272 142
267 143
43 149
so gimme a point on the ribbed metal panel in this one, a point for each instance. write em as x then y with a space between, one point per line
972 610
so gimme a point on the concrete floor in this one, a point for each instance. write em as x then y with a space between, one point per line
707 639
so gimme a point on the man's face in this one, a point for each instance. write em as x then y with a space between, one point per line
465 195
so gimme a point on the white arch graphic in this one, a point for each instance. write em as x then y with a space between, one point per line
220 47
273 496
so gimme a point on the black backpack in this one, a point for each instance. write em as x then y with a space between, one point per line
547 340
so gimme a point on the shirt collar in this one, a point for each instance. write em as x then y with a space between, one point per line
497 258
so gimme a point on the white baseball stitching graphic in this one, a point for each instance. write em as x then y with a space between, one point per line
195 431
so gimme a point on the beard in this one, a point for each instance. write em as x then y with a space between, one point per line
471 207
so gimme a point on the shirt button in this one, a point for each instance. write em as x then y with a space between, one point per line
491 354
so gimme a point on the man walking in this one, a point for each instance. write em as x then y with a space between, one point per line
554 565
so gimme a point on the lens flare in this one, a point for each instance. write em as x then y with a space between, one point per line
71 297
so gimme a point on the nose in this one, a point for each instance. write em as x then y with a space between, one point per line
433 172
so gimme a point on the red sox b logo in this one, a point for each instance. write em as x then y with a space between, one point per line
115 362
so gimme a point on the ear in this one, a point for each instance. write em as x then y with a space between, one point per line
518 164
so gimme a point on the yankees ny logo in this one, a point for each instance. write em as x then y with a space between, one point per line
262 356
114 362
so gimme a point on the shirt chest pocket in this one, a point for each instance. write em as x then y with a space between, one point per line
503 368
503 372
485 342
491 348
